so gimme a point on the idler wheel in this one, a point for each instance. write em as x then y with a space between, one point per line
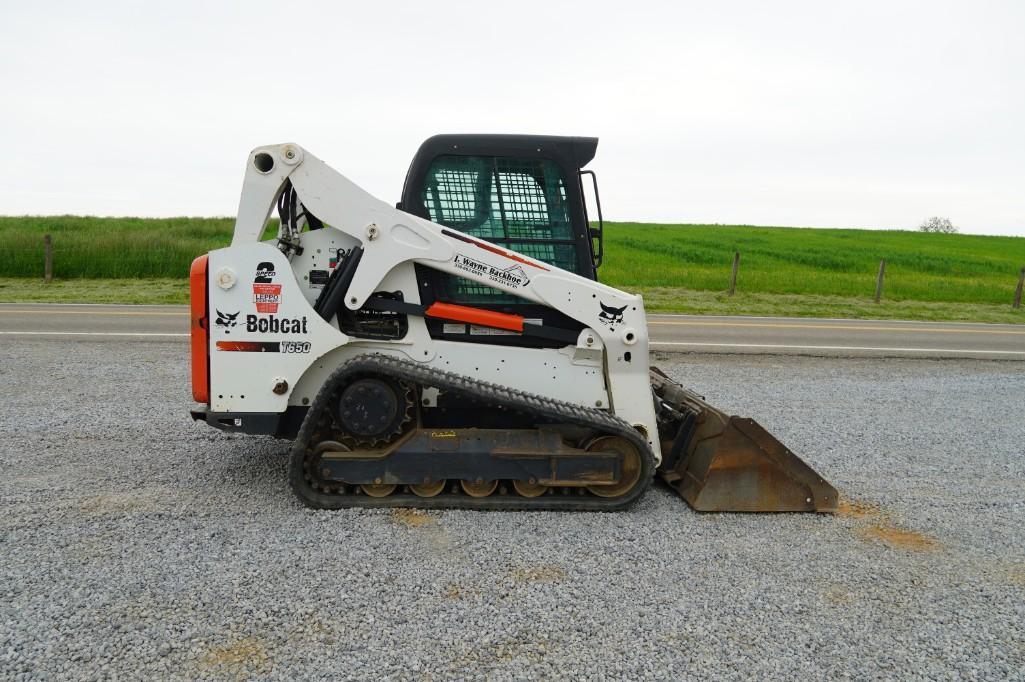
629 465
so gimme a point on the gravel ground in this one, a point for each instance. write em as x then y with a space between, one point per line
135 544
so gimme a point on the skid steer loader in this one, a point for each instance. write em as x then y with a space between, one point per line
457 350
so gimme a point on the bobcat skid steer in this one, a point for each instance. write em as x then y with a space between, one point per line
458 350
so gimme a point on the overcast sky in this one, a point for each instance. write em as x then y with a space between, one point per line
860 114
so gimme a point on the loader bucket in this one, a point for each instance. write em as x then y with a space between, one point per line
721 463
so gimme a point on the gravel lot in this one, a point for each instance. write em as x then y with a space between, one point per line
136 544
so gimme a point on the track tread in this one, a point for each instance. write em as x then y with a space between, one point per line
493 394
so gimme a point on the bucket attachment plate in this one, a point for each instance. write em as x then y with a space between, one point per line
722 463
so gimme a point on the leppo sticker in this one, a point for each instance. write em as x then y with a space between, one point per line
267 297
266 294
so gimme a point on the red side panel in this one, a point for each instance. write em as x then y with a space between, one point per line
199 325
485 318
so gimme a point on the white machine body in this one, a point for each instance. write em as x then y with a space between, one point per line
259 297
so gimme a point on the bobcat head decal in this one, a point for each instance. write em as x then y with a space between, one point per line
610 315
226 319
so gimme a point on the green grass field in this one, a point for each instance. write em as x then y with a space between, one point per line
823 262
109 247
792 271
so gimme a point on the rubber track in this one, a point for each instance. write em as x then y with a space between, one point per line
318 418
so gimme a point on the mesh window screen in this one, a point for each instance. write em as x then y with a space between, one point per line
516 203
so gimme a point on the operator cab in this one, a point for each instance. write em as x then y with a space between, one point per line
522 192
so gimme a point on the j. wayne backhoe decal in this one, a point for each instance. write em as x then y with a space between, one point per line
266 294
491 248
513 276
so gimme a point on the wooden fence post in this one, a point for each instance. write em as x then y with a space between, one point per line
48 263
733 274
879 279
1017 292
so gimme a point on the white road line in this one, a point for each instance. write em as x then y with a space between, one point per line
870 348
89 334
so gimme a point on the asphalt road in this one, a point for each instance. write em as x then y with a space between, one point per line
744 335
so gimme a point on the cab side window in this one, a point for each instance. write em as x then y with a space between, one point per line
519 204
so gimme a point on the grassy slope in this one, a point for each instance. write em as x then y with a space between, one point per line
807 305
163 290
109 247
135 291
920 267
684 268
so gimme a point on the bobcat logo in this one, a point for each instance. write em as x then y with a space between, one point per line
226 320
610 315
